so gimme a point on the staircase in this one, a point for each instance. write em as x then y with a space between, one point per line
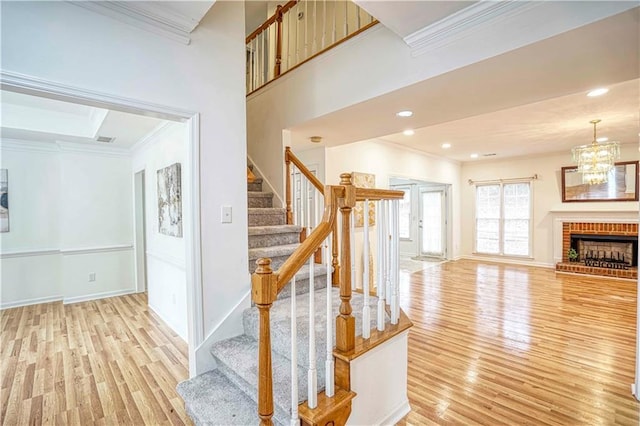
228 394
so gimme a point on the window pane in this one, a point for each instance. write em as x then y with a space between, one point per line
405 214
488 236
516 201
516 237
488 202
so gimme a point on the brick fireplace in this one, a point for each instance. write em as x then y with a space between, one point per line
607 249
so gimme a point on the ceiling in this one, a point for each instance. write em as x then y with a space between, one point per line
528 101
31 118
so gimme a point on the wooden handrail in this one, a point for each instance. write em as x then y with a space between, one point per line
280 10
375 194
314 240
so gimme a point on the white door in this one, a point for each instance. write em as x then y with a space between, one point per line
433 223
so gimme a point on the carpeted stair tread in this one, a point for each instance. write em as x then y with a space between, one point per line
238 359
257 199
264 216
274 229
259 194
273 251
212 399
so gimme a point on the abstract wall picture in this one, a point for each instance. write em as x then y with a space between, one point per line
4 200
170 201
364 180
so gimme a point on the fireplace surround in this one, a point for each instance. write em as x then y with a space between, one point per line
601 248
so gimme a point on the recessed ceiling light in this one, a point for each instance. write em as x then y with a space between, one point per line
474 155
597 92
408 132
602 139
446 145
406 113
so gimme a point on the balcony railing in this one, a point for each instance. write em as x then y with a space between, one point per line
298 31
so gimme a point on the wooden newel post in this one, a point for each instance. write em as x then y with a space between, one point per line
345 322
287 162
263 291
277 70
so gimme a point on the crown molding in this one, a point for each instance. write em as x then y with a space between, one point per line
150 16
27 146
481 15
151 137
81 148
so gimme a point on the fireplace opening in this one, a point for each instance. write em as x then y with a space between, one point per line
606 251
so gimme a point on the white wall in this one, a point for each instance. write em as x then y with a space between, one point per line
166 274
547 198
70 216
73 46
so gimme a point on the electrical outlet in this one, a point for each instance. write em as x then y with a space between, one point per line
92 277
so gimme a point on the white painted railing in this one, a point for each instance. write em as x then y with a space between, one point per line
298 31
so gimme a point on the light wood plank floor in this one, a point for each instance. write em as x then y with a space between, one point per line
499 344
105 362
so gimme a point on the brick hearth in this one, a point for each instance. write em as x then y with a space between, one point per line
568 228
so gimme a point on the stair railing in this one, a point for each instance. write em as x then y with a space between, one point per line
339 201
298 31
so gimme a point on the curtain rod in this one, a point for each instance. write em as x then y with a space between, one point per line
534 177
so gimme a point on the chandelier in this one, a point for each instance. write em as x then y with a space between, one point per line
595 160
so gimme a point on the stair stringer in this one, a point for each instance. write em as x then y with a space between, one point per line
230 326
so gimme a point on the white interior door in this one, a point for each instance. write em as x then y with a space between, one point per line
432 223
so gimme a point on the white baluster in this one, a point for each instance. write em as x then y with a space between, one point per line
294 195
324 23
260 58
306 29
286 24
387 258
381 218
297 37
314 44
335 14
295 420
397 208
312 394
358 17
304 201
394 262
346 18
330 363
366 310
352 233
254 62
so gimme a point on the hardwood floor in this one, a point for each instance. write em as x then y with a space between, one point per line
105 362
500 344
491 344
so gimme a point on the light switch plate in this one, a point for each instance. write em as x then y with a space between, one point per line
226 214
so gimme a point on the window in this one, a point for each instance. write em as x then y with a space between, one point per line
503 219
405 213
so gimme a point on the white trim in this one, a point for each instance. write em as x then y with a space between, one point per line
508 260
19 145
165 258
265 180
28 302
29 253
150 138
461 24
85 148
29 85
394 417
38 87
98 249
96 296
173 25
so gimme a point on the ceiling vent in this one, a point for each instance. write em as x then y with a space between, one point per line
489 155
105 139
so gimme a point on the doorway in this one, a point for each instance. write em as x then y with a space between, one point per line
432 223
140 232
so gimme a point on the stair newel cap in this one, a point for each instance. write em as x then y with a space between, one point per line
349 199
264 283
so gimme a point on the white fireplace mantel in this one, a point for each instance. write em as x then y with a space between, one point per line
583 217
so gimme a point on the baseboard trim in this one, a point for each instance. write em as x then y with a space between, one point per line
167 323
509 261
28 302
96 296
394 417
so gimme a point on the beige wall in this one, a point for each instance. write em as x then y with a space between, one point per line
547 199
